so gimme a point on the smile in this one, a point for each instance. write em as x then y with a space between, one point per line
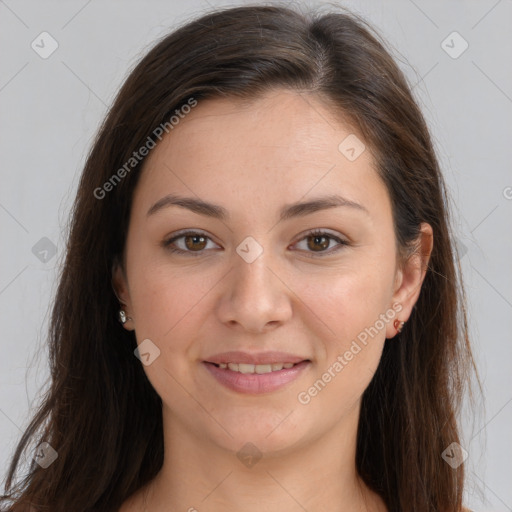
255 368
255 379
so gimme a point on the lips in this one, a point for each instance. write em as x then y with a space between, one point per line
256 383
262 358
254 368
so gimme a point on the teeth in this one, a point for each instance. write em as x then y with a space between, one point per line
255 368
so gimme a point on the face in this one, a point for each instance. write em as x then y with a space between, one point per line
253 281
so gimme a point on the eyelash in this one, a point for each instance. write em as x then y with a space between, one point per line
316 232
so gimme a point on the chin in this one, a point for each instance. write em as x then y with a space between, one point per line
269 434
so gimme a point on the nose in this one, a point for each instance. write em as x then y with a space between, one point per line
254 297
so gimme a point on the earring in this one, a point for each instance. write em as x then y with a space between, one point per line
122 316
398 325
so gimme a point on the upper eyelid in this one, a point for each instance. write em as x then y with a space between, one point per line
188 232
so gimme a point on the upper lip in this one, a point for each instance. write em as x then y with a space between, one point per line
255 358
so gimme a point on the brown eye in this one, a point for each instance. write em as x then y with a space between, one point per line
318 242
190 243
195 242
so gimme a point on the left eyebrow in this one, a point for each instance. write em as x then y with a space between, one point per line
287 212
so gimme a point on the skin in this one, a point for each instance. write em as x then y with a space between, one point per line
252 159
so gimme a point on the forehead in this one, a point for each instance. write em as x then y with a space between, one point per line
297 124
280 145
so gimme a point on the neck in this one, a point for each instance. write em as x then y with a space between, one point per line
201 476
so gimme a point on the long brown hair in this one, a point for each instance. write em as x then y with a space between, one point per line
100 412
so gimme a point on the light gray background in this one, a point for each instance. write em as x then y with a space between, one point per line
52 107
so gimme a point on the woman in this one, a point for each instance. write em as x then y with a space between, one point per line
259 308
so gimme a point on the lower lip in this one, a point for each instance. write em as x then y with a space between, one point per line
255 383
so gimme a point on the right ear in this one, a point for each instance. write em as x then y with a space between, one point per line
122 291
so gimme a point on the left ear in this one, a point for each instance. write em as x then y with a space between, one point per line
410 276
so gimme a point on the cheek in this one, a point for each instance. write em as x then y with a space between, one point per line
348 326
169 306
162 298
347 301
350 343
